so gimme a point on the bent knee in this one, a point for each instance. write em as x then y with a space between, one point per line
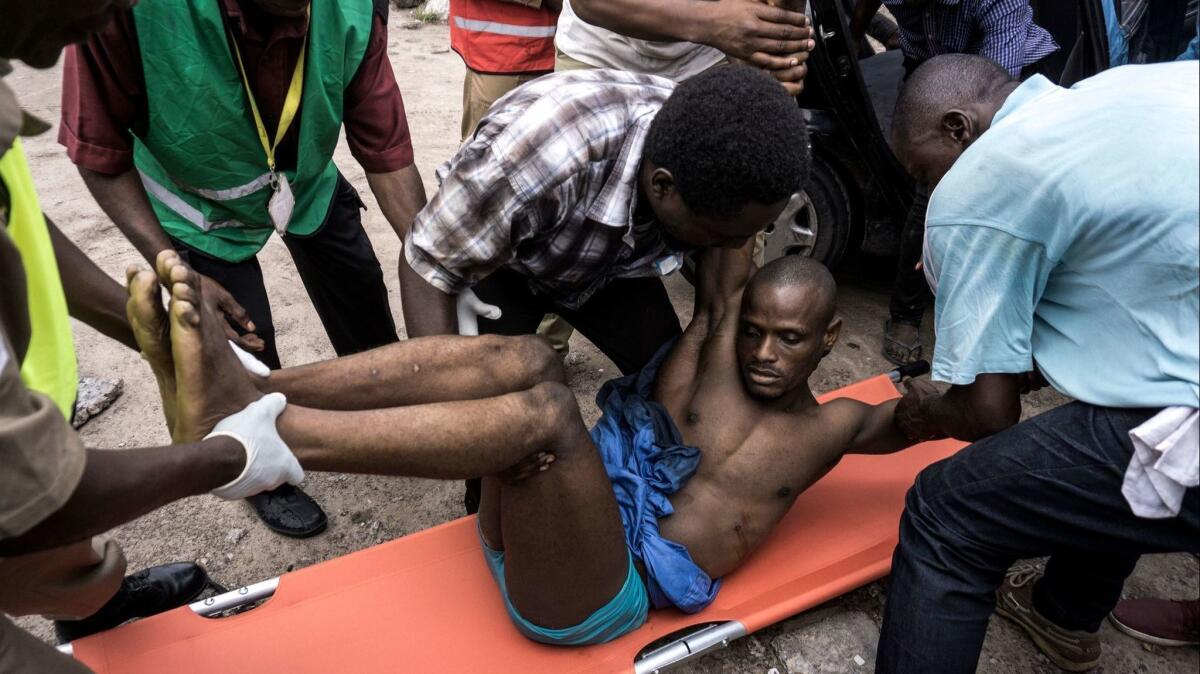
540 361
522 361
554 415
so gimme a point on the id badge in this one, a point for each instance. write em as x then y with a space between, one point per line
281 204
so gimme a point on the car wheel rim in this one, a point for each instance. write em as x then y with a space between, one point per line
795 231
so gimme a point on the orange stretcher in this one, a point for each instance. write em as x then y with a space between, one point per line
426 602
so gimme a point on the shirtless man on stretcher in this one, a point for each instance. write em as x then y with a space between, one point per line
695 460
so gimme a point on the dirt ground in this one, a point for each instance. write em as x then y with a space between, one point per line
363 511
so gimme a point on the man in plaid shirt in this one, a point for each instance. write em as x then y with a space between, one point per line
581 189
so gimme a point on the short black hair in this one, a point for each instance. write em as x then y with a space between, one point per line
802 272
941 83
730 136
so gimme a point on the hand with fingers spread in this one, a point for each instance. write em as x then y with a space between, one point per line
218 299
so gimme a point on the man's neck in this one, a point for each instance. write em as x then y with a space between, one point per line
796 400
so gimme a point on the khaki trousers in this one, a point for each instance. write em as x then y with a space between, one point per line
22 653
65 583
73 581
480 90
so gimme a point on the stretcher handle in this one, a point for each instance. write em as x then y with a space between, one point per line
913 369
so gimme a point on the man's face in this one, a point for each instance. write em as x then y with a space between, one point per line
928 155
782 334
36 32
287 8
701 231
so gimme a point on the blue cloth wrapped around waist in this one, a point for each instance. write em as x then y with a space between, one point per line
647 461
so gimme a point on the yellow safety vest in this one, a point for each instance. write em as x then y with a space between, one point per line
49 366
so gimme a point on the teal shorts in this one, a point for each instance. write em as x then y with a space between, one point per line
623 614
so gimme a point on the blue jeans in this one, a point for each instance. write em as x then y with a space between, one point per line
1050 486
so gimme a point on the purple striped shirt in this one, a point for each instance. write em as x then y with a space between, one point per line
1002 30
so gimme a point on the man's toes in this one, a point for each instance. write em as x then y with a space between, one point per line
184 314
184 292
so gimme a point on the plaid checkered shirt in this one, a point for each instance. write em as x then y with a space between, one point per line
1002 30
547 187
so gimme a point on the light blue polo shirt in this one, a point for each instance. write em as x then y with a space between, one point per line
1069 234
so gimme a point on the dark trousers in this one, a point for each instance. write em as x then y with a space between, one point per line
628 319
910 294
1048 486
339 270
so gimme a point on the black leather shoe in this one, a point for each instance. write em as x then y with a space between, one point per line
289 511
143 594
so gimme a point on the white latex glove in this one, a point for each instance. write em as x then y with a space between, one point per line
253 365
269 462
470 308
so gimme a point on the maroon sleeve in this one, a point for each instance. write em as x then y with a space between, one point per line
103 98
376 127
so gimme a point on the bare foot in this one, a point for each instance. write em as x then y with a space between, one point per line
148 320
210 382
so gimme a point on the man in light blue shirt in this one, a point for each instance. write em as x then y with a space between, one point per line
1062 241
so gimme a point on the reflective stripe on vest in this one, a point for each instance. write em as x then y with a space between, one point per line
49 366
502 37
192 214
504 28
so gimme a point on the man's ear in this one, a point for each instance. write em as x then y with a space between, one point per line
662 183
958 125
831 335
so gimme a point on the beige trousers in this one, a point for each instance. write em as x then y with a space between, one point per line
72 581
65 583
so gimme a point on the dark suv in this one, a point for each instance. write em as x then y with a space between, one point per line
858 195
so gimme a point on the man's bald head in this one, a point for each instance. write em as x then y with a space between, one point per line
947 102
786 325
804 274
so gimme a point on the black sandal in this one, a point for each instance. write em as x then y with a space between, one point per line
289 511
912 352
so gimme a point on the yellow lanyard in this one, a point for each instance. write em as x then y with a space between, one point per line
290 104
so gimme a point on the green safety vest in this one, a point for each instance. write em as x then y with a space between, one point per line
200 159
49 366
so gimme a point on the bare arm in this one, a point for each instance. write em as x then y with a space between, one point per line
749 30
984 407
721 276
121 485
92 296
401 195
124 201
427 310
875 430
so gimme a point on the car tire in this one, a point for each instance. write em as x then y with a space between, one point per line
817 222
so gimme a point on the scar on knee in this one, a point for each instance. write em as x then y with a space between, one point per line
416 368
374 373
693 417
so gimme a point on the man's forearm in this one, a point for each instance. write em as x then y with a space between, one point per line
401 195
989 405
124 201
92 296
664 21
427 310
121 485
